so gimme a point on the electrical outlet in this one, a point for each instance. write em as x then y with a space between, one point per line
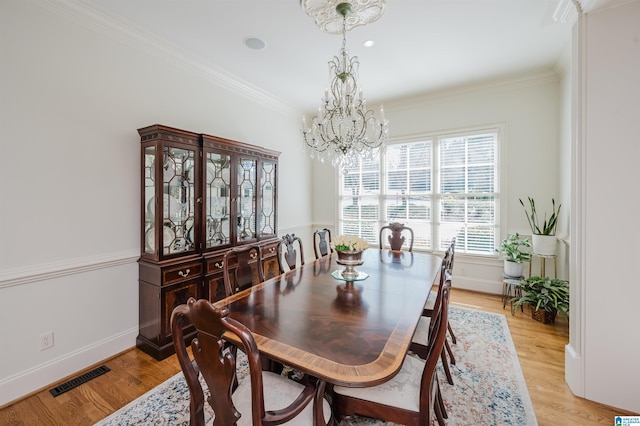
46 340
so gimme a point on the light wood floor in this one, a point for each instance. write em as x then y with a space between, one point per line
540 349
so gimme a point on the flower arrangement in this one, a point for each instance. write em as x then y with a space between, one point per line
349 243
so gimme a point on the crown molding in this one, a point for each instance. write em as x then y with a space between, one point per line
490 86
95 19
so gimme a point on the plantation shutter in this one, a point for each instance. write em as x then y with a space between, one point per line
442 188
359 205
468 190
407 195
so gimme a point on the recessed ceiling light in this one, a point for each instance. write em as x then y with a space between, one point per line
254 43
369 43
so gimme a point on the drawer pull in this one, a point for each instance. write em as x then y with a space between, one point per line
184 274
272 249
253 255
219 265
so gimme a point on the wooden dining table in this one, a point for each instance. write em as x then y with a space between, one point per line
346 333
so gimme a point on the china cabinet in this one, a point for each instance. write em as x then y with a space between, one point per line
201 196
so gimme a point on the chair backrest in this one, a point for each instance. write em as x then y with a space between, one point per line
322 242
215 359
449 254
437 336
444 276
241 276
287 250
396 239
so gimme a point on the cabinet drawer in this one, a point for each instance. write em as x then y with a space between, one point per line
269 250
215 265
182 272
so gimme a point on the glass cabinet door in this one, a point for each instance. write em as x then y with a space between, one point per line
149 206
267 221
217 199
178 174
246 199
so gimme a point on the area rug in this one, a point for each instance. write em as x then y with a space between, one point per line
488 389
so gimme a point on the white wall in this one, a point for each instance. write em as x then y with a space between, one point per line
609 149
72 95
527 107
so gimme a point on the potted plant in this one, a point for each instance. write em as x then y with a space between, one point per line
543 234
546 296
513 256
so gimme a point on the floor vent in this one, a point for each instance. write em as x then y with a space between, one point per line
77 381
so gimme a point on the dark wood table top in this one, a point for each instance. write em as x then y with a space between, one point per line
350 338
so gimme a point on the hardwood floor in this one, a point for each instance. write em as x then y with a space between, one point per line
540 350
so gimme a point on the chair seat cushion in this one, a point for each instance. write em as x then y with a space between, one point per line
421 335
431 300
402 391
279 392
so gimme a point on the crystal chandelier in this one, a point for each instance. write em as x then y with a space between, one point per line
344 131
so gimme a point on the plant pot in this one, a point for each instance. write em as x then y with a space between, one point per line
545 317
513 269
544 245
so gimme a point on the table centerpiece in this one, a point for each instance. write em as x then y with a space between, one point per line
349 250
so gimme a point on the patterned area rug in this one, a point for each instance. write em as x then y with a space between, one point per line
489 387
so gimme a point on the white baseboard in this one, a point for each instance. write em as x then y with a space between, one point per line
474 284
573 373
44 375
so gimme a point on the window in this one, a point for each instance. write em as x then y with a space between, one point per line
442 186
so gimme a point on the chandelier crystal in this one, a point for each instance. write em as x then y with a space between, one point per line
344 131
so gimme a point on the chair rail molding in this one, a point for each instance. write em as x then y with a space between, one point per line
42 272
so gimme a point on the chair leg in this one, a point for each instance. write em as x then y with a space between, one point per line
443 410
452 359
453 336
445 366
439 416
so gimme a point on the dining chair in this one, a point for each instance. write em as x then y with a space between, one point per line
322 242
413 395
241 276
420 340
243 402
396 239
287 249
419 336
452 253
447 260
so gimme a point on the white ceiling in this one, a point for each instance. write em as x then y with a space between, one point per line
421 45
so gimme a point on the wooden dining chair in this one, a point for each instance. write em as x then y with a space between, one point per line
420 334
287 253
420 340
396 239
246 402
238 268
413 395
322 242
